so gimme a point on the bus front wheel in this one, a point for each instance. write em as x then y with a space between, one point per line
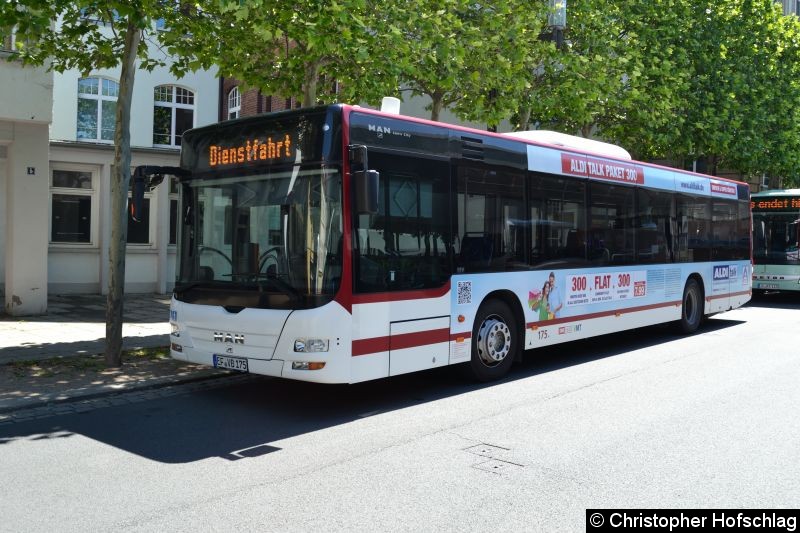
691 308
495 341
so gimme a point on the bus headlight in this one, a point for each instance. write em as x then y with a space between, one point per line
176 331
310 345
306 365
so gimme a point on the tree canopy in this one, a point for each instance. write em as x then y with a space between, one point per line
681 80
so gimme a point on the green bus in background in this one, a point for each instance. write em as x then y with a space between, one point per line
776 234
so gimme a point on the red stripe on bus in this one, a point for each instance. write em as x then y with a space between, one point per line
368 346
718 296
601 314
381 297
401 341
424 338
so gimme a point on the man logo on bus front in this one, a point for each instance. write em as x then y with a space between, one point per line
233 338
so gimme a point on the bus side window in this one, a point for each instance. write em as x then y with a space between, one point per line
558 221
476 251
406 244
490 219
653 228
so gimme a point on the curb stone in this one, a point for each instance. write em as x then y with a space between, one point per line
91 402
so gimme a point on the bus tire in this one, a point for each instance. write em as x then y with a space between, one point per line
495 341
691 307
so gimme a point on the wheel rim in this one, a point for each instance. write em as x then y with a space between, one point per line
690 307
494 341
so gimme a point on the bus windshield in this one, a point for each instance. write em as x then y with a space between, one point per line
775 238
265 240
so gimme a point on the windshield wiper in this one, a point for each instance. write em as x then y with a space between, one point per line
285 287
257 279
182 288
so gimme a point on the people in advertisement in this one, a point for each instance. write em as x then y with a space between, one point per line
554 297
538 301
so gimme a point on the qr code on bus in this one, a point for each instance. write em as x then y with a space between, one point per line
464 292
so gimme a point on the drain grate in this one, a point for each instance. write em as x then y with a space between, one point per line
488 450
499 458
495 466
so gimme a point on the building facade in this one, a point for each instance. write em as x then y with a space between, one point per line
56 155
790 7
25 116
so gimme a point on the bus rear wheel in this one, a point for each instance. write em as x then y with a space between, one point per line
495 341
691 308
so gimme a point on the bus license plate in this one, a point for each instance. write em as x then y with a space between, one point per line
767 285
238 364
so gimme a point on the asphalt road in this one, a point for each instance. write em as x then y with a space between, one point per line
646 419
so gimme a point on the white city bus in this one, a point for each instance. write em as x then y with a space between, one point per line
340 244
776 235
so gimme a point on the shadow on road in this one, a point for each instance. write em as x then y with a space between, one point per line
776 300
243 420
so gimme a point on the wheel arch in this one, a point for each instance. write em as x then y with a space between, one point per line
511 299
700 283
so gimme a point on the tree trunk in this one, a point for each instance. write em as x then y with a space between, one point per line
120 181
713 165
524 119
310 82
436 106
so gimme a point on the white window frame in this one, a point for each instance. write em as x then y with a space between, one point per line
12 41
92 193
173 105
234 103
98 98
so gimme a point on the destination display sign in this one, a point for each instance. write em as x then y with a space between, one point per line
268 148
251 144
777 203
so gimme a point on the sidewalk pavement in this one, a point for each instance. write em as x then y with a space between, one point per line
57 358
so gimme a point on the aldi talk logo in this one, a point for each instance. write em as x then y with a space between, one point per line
721 273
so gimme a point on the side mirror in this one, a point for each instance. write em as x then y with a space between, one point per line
137 199
366 184
146 178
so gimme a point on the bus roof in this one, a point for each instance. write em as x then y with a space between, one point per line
547 139
777 192
571 141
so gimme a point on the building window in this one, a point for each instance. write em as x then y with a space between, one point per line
71 196
173 114
234 103
7 40
97 108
